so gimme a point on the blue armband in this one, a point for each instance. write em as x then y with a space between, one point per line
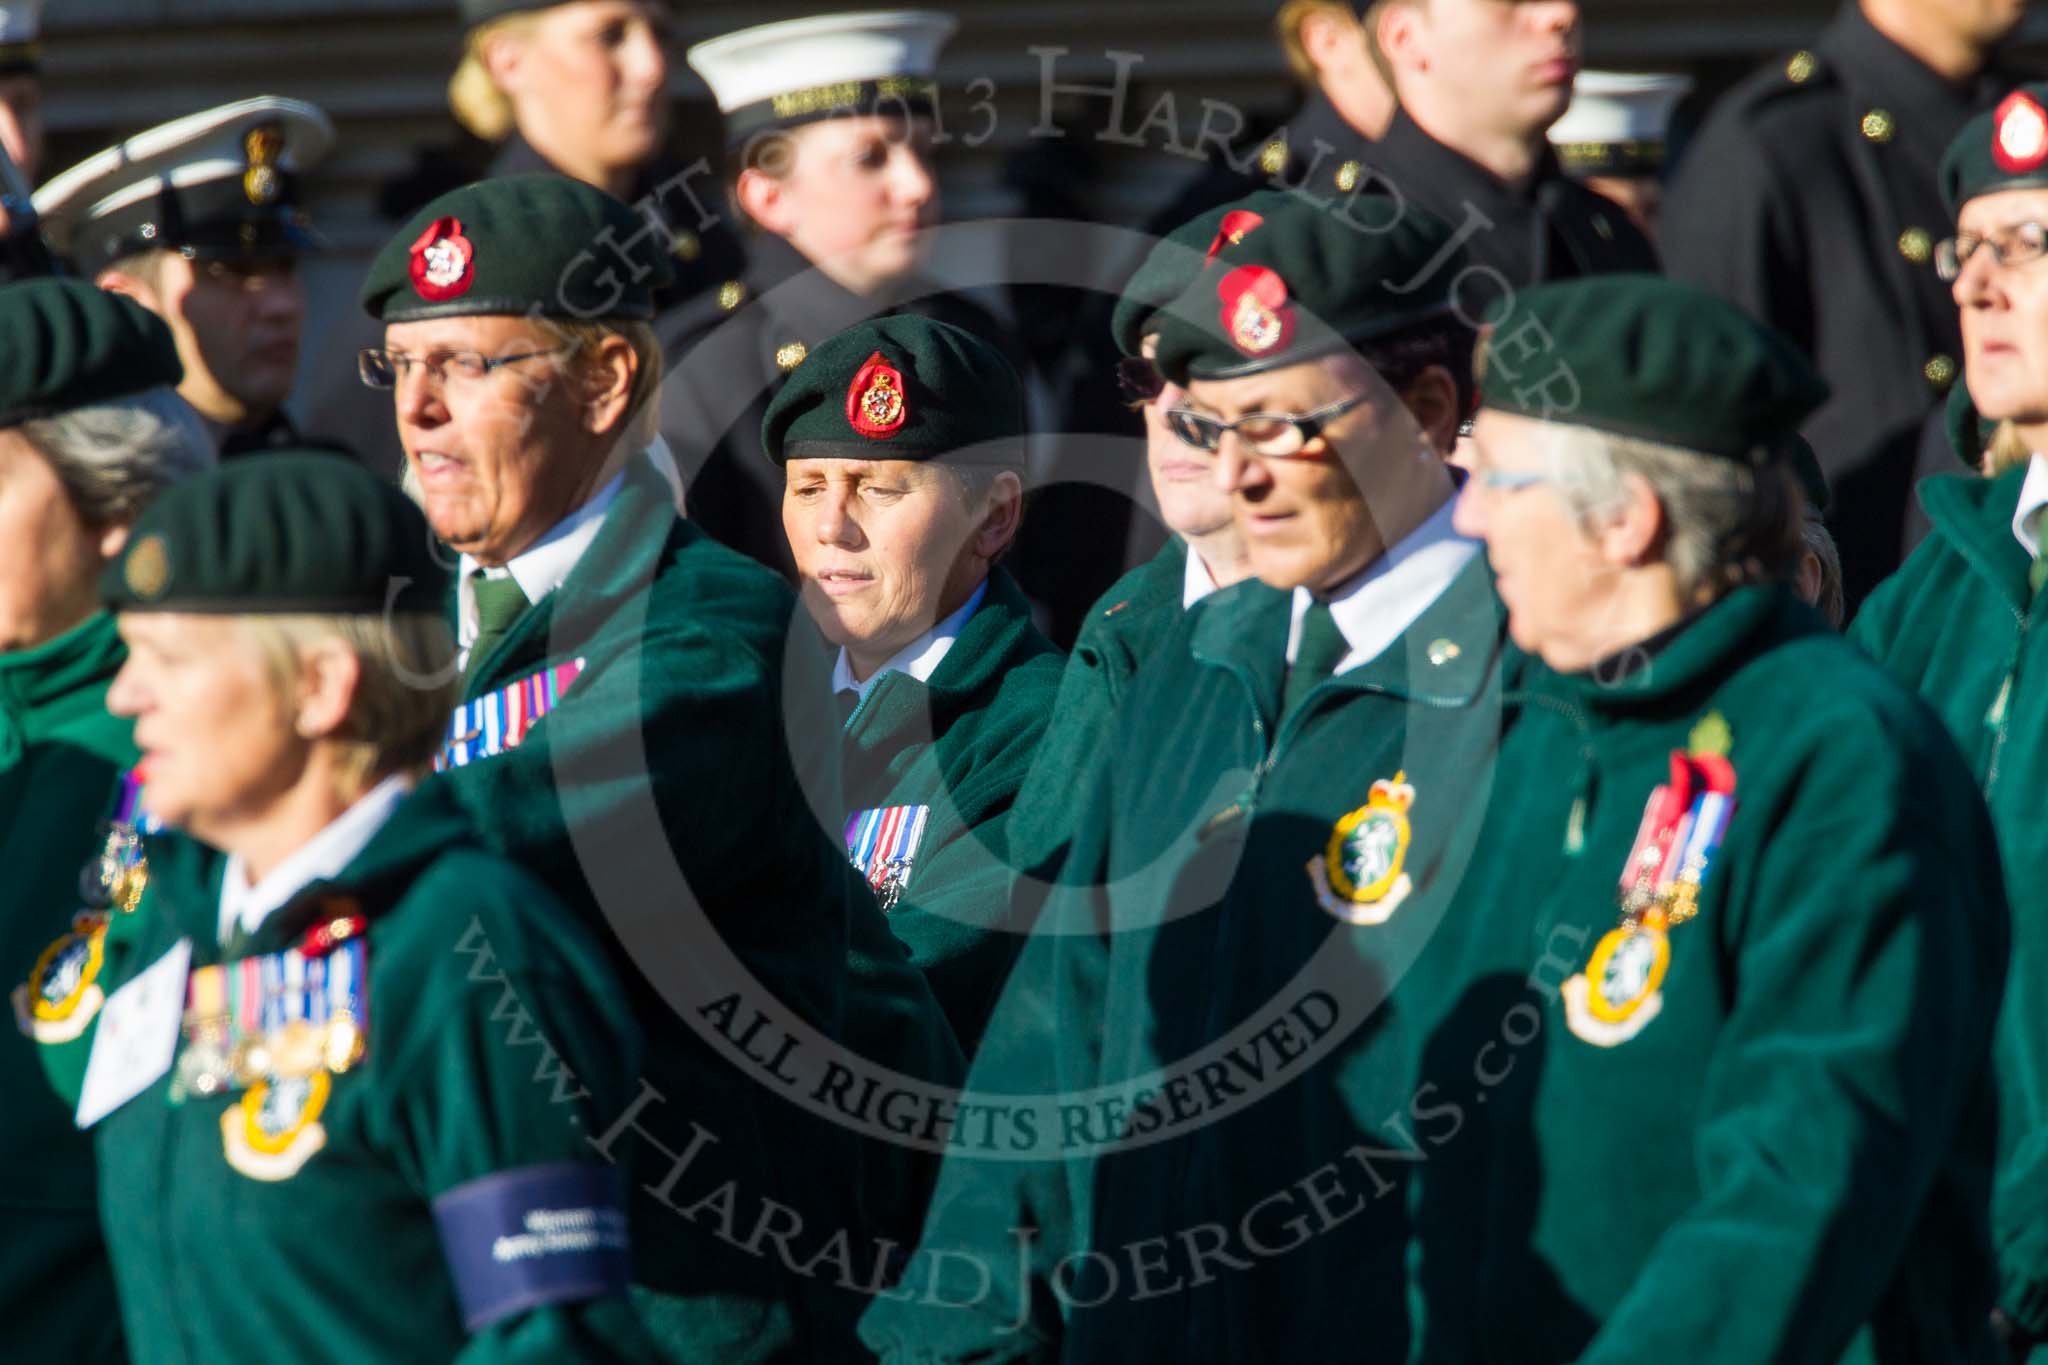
534 1236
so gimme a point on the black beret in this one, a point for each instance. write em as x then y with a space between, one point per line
531 245
1644 356
296 531
1178 259
65 344
1312 280
2005 148
901 387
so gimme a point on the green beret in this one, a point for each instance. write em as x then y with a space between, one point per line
296 531
1312 280
534 245
901 387
1177 260
2005 149
1643 356
65 344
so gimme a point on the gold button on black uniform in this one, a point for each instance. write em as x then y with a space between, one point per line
1916 245
1940 371
1878 126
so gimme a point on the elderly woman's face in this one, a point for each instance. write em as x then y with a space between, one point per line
2005 310
1548 569
592 78
217 738
499 457
49 559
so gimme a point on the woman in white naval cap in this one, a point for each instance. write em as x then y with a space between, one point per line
202 221
830 123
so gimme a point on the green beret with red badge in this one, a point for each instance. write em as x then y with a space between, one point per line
1179 258
2003 149
529 245
899 388
1314 279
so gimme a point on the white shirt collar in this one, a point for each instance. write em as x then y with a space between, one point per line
2033 497
1380 604
1195 583
322 856
544 565
920 658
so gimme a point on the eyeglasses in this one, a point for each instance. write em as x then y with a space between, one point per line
1506 481
2016 245
1138 379
1275 435
382 369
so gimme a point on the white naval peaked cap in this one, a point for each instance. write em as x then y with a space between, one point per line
828 65
1618 122
213 182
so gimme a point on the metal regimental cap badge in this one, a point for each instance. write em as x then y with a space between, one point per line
1618 123
799 71
898 388
1310 279
223 184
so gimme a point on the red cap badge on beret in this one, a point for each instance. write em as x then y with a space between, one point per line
1234 228
1256 314
874 400
443 261
2021 141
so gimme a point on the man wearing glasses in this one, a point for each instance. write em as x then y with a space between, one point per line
643 728
1262 853
201 221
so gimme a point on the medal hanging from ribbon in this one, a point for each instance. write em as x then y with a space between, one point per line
277 1016
116 876
62 996
1620 991
499 720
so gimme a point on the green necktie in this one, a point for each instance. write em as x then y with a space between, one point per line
2037 573
499 603
1322 648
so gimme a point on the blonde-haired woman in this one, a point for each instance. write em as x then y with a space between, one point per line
580 88
348 1064
1961 623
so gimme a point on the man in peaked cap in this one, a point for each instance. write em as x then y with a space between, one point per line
201 221
1809 196
673 774
75 365
900 442
829 134
1722 979
1613 138
1260 857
